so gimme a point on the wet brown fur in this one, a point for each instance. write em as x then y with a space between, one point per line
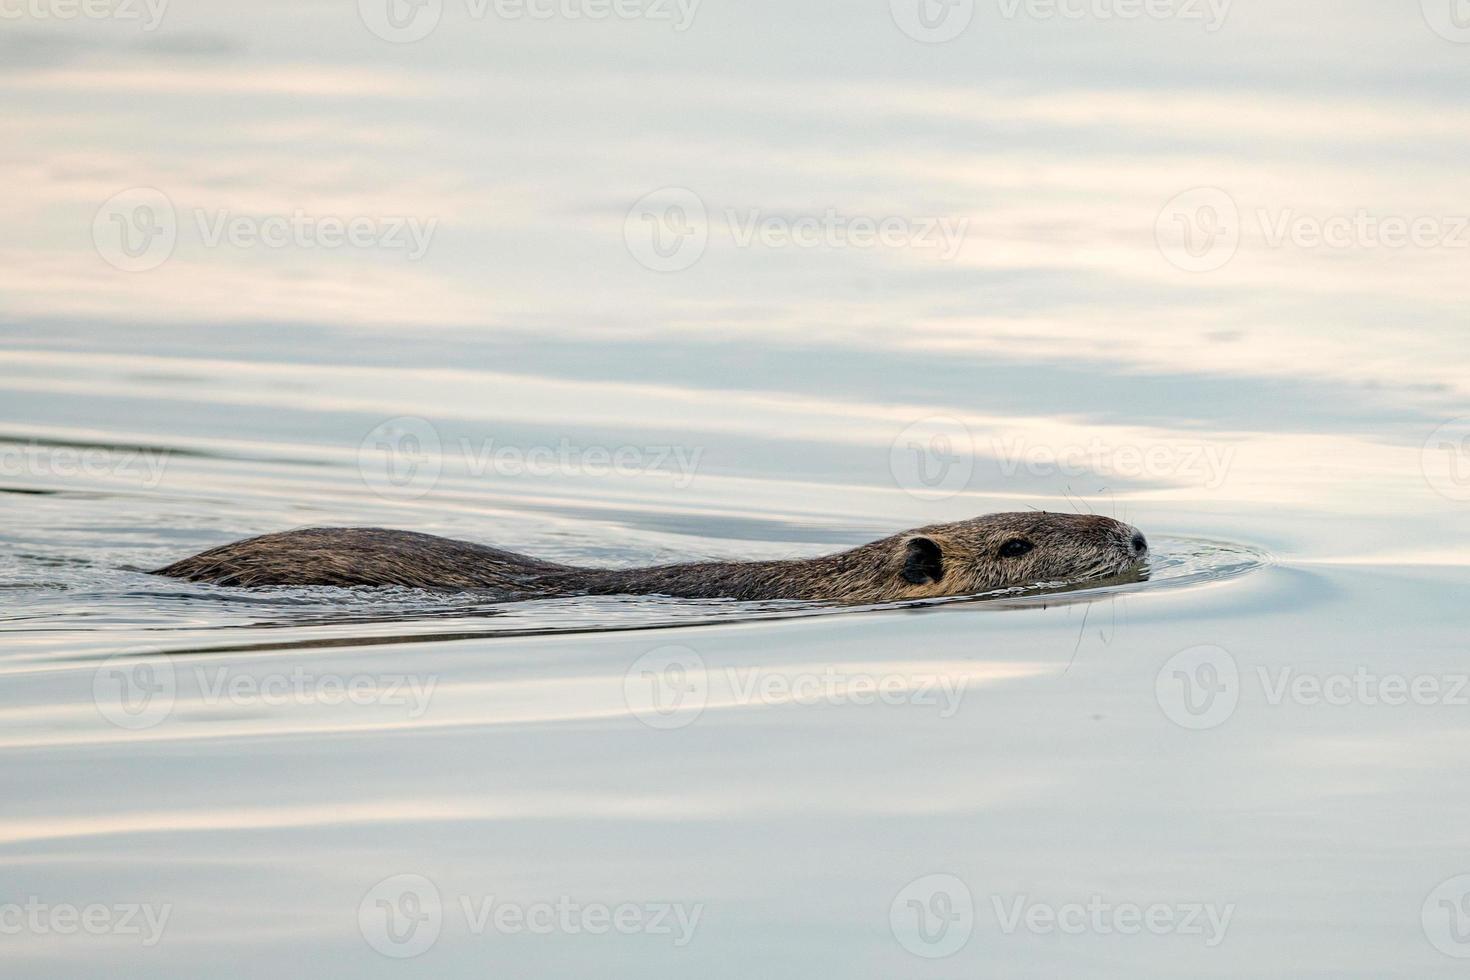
959 558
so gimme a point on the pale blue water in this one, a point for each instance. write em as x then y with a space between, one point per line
612 302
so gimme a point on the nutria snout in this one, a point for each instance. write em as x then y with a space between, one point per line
960 558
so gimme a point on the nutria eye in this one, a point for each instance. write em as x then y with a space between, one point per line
1015 548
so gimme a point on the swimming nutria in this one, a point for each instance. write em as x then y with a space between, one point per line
961 558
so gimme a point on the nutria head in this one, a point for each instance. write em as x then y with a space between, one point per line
1001 550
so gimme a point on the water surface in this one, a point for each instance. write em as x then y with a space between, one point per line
337 782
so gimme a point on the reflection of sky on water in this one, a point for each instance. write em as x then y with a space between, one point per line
528 142
1100 391
1315 373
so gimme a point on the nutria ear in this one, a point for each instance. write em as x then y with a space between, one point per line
923 561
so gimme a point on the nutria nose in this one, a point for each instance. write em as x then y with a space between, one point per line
1139 542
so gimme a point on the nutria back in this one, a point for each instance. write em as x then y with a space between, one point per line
965 557
359 556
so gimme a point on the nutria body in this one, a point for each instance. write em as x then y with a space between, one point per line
961 558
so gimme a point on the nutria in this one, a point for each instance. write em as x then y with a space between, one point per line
962 558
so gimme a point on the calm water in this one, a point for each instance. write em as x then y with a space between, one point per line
736 280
